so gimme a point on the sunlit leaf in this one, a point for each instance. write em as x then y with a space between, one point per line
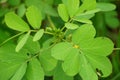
86 70
47 61
101 63
61 50
20 72
63 13
84 32
34 70
72 6
71 63
38 35
71 26
15 22
34 17
22 42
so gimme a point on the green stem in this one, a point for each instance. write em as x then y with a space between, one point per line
51 23
10 38
38 53
116 48
68 22
49 33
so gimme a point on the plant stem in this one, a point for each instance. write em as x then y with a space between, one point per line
116 48
48 33
10 38
64 25
51 23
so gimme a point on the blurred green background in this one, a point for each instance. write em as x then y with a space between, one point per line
106 23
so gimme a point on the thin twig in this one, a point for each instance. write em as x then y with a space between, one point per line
116 48
10 38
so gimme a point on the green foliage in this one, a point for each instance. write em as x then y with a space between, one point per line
34 70
22 42
20 72
38 35
63 12
83 47
34 17
17 23
104 6
51 45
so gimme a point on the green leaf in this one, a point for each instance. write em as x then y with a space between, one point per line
71 26
7 70
82 16
20 72
48 9
3 38
21 10
14 2
71 64
10 61
15 22
38 35
34 17
63 13
89 12
111 19
72 6
3 11
60 75
31 46
85 7
50 2
22 42
86 70
84 32
47 61
8 54
106 6
66 49
83 20
101 63
96 46
34 70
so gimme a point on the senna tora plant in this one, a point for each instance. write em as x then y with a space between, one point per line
69 52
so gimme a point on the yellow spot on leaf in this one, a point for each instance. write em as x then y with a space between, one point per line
76 46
